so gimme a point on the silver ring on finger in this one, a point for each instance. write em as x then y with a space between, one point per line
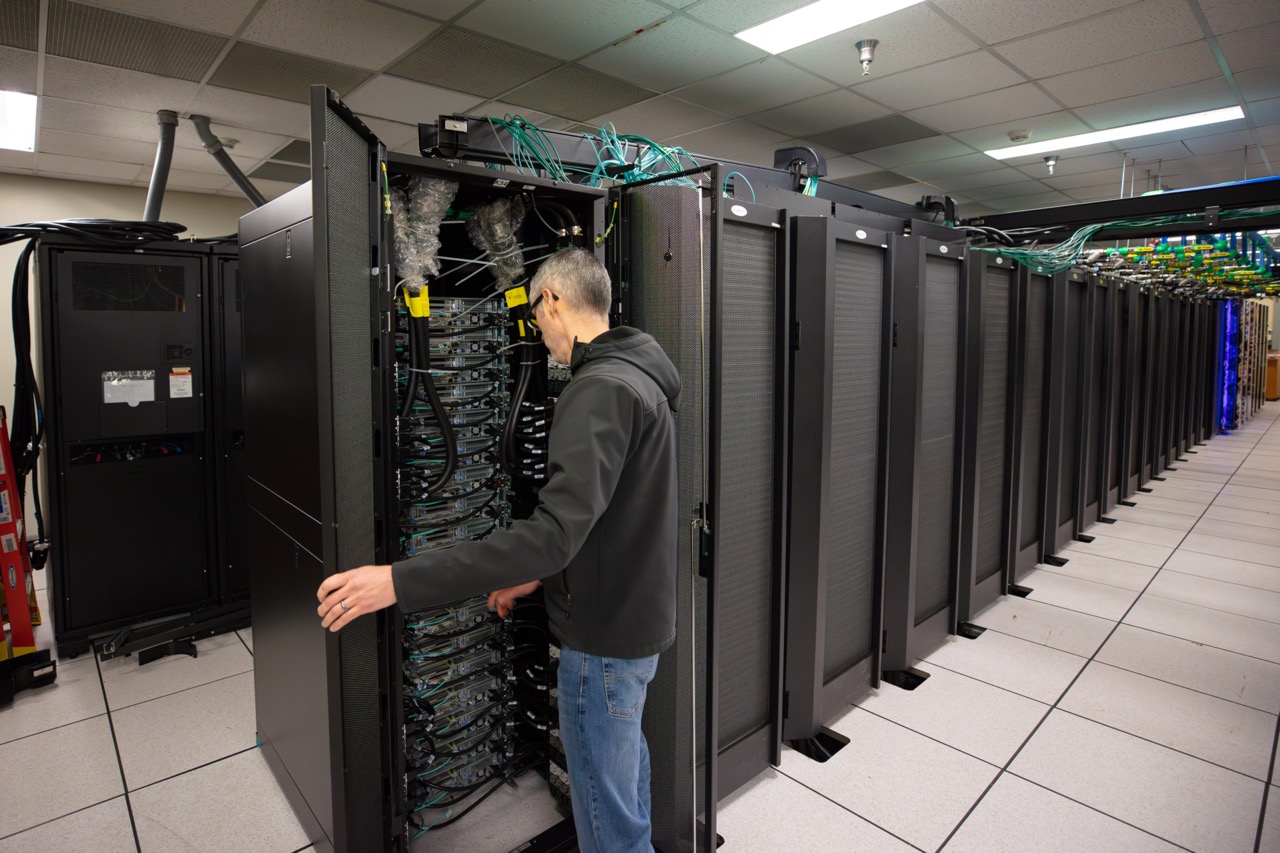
343 605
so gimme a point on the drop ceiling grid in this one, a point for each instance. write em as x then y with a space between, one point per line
595 25
224 17
363 35
756 87
680 52
17 70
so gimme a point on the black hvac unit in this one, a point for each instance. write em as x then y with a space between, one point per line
990 435
925 423
127 374
704 275
841 290
1031 455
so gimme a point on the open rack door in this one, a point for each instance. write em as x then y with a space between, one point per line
310 317
702 274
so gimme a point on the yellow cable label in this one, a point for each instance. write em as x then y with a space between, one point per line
516 296
520 324
420 305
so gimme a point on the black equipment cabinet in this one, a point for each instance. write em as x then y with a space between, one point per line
840 289
227 421
1066 408
704 275
925 422
126 372
1100 375
1031 455
990 435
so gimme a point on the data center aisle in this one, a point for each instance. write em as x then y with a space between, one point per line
1129 703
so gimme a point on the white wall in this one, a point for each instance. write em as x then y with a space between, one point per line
25 198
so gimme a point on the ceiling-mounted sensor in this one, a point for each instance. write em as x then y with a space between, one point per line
866 53
1016 136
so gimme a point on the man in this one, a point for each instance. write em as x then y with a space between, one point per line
602 541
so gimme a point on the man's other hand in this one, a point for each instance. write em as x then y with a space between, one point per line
346 595
504 600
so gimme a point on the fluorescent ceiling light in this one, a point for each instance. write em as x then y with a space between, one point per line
812 22
17 121
1128 131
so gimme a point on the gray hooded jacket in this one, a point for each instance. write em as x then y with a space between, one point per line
603 537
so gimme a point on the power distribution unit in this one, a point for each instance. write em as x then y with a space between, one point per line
129 376
350 722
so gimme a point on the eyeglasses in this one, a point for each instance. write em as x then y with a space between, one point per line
533 320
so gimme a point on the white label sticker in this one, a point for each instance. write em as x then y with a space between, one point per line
738 210
9 543
5 515
180 385
130 387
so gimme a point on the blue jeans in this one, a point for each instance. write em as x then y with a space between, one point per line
601 701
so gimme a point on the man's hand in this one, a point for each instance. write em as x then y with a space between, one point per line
346 595
504 600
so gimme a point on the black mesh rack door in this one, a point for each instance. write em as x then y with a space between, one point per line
989 439
841 304
1033 321
925 420
1113 368
701 273
1066 408
1095 398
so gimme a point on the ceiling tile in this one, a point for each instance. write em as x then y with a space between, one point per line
289 172
877 133
73 80
1104 38
244 109
1173 101
17 70
764 155
500 109
1077 165
266 71
907 194
457 60
677 53
392 133
843 167
350 32
964 183
1010 190
97 147
1137 75
1264 112
577 93
440 10
734 16
834 109
660 118
988 108
20 24
943 81
180 179
595 24
1172 150
872 181
964 164
1098 193
404 100
1236 140
1253 48
921 150
1034 162
1107 177
727 139
110 38
1227 16
57 164
1268 134
996 21
1048 126
223 16
296 151
755 87
1260 84
908 39
273 189
1031 202
17 161
193 159
96 120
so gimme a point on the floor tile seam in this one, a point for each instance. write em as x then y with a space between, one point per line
1113 622
247 649
1214 609
993 765
1266 790
1233 583
1192 550
1006 689
176 692
1247 523
1140 504
841 805
61 816
1200 642
1182 752
1275 713
1037 642
1092 808
53 729
1106 534
115 743
1056 570
192 769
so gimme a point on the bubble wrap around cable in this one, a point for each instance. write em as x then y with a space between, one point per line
416 214
493 230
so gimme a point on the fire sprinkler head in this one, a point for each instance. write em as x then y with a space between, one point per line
866 53
1051 161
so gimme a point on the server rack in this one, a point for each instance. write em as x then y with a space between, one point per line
227 424
1148 370
1031 456
842 294
126 364
706 276
1065 409
990 435
926 422
1100 379
1125 390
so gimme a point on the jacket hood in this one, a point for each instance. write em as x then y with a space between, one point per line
636 348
